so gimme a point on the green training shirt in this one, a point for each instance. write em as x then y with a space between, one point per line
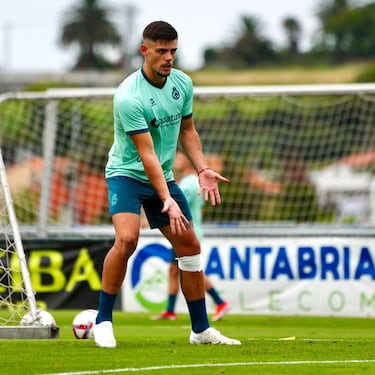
140 106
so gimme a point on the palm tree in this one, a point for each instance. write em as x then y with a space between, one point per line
293 30
252 47
88 25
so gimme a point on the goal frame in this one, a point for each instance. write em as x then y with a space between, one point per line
52 95
19 332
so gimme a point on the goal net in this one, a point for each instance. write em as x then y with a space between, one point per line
294 154
19 315
16 294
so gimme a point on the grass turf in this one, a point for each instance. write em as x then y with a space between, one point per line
322 345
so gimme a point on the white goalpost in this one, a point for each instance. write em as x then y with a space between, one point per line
17 297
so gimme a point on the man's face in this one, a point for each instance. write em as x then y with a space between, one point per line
159 57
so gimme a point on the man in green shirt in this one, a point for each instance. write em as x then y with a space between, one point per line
152 114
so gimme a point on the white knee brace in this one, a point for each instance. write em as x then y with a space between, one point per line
190 263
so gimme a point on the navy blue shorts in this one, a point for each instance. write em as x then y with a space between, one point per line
126 194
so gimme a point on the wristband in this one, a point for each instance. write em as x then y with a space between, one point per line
202 170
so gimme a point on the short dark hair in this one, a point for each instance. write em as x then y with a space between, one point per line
160 30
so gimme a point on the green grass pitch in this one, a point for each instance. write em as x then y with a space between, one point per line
270 345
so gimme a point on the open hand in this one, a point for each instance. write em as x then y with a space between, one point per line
208 185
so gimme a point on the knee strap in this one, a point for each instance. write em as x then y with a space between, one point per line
190 263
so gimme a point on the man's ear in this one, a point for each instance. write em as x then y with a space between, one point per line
143 49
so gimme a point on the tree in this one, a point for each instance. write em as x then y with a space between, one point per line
293 31
361 33
88 25
348 32
251 45
332 8
249 49
329 13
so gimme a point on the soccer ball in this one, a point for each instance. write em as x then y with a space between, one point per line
43 318
83 324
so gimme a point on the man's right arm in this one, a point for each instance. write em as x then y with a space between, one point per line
155 175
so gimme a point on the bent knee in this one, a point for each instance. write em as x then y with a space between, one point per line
192 247
126 244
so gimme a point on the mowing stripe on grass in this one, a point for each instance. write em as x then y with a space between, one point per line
197 365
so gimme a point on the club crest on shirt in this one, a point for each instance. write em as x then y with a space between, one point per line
175 93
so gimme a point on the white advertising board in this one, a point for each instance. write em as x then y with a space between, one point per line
320 276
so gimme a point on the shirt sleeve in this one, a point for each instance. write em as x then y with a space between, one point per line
131 114
187 110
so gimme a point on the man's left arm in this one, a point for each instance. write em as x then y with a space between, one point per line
191 144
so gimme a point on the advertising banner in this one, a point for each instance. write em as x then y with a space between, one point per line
66 272
327 276
320 275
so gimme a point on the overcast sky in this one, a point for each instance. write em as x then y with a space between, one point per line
29 29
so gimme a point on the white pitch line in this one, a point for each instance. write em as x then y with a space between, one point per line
197 365
306 339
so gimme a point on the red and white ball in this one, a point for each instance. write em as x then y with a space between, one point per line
42 318
83 323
